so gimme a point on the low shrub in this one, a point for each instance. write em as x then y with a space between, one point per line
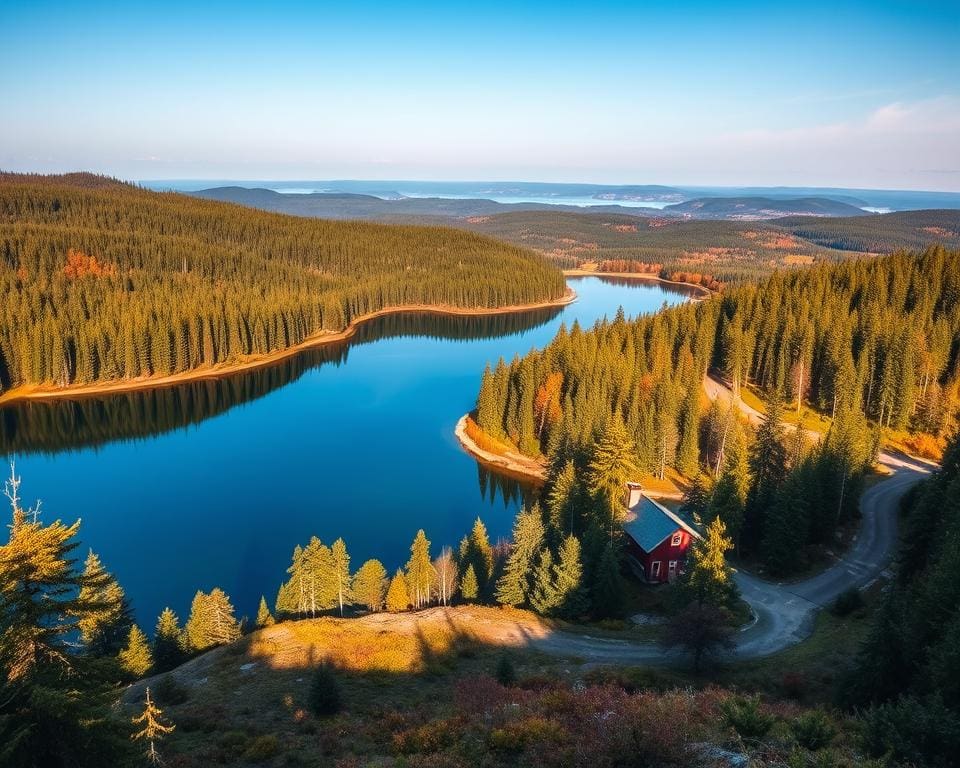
169 692
813 730
847 602
747 717
325 698
793 685
430 737
506 673
631 679
262 748
521 734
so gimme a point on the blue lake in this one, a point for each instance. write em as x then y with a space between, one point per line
214 483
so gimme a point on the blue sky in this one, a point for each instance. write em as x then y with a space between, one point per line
844 94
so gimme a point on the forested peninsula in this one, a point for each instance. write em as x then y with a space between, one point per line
872 346
104 283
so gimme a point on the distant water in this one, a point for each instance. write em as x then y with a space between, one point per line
214 483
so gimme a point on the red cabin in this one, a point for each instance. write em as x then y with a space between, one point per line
657 539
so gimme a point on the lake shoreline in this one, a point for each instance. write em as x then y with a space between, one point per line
648 276
523 468
73 391
516 465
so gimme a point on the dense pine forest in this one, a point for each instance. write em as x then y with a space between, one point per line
874 342
103 281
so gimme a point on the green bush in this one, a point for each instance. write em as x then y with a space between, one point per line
325 699
506 674
168 692
747 718
813 730
921 732
262 748
847 602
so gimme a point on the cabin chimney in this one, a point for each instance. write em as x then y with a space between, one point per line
634 493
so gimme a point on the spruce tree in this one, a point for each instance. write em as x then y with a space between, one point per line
135 658
607 593
469 590
398 596
706 578
571 596
544 597
514 585
369 585
612 465
768 470
726 504
264 617
475 550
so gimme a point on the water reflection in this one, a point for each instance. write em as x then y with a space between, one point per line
51 426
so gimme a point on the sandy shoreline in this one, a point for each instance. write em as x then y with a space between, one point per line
514 464
46 392
523 467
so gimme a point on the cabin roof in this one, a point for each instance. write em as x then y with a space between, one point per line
649 523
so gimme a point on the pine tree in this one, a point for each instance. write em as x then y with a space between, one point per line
787 526
420 573
264 617
168 642
611 467
696 499
211 621
106 620
475 550
544 597
398 596
55 705
768 469
469 589
607 594
571 597
135 658
368 585
726 504
514 585
341 572
561 499
154 728
707 579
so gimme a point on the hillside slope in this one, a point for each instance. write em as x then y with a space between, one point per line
102 281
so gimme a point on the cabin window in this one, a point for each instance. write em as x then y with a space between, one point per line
655 569
672 569
677 539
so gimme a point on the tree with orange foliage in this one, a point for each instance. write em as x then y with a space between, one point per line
546 403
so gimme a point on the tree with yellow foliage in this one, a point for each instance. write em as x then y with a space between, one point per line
154 729
398 597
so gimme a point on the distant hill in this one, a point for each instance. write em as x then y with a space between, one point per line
757 208
342 205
